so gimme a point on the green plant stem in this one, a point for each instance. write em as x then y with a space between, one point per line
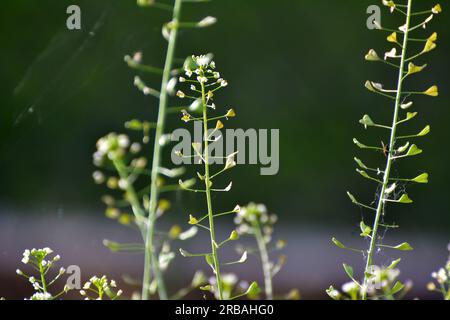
154 196
268 286
208 196
389 161
139 213
41 271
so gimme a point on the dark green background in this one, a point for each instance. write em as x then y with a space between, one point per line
297 66
293 65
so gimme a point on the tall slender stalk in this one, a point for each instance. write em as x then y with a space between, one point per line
392 148
208 196
156 162
390 187
205 81
266 265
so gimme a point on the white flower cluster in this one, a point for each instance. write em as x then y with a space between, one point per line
382 279
41 296
39 259
201 70
255 212
230 285
442 277
111 147
39 255
100 286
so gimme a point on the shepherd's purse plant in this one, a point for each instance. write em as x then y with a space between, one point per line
442 280
116 153
204 83
255 221
41 262
399 146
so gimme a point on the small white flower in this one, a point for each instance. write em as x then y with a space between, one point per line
19 272
82 292
103 145
57 258
171 85
206 22
182 79
193 88
140 162
32 279
41 296
26 256
334 294
47 250
119 293
135 147
349 287
203 60
123 184
62 271
98 177
123 140
146 91
94 278
36 286
137 57
180 94
224 83
391 54
440 276
113 284
392 274
202 79
229 279
188 73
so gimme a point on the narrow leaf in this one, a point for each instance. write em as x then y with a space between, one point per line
338 243
405 246
348 270
398 286
394 264
360 163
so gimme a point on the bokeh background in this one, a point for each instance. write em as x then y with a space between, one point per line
292 65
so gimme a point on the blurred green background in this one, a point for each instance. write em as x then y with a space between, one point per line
292 65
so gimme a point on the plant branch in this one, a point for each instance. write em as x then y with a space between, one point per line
208 196
268 286
163 102
389 161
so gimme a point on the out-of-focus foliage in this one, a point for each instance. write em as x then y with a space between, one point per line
291 65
